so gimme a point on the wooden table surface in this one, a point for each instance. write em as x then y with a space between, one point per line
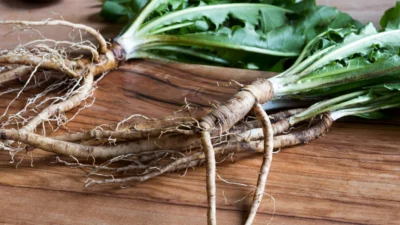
350 176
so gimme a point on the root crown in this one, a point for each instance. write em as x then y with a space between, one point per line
228 114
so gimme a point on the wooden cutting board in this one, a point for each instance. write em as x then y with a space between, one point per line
350 176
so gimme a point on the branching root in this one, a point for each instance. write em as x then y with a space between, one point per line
266 164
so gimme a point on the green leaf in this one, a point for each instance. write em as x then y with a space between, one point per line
137 5
391 18
300 7
113 11
245 34
316 48
343 20
121 10
356 44
381 68
321 16
218 14
282 41
276 42
356 59
337 68
271 19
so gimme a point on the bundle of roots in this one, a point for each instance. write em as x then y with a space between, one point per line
139 148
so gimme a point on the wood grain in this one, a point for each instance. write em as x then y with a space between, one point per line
350 176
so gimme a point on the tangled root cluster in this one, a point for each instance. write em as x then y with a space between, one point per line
50 64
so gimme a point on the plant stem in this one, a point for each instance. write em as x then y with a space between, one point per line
193 53
172 27
150 6
381 68
319 107
349 112
133 44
